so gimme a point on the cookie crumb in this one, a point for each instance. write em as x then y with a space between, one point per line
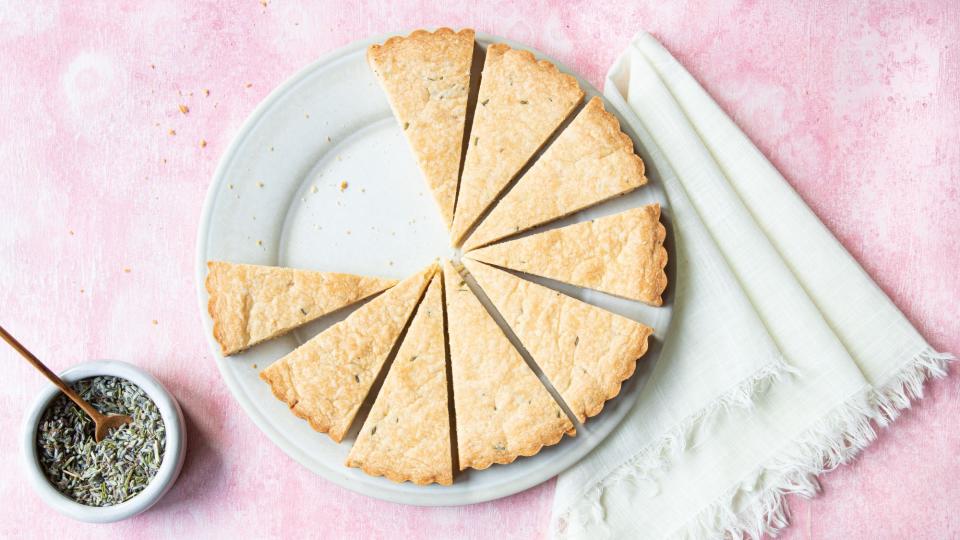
155 322
260 184
203 143
171 132
230 186
183 108
254 366
71 232
343 185
313 189
152 66
248 85
206 91
126 270
259 242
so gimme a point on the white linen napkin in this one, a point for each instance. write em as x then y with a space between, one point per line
720 434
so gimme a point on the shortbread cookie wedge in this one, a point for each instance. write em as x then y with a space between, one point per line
406 436
502 409
622 254
521 103
585 352
250 303
325 380
590 162
426 76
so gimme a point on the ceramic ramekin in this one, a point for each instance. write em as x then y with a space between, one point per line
174 452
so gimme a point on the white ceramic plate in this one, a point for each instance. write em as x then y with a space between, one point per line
276 199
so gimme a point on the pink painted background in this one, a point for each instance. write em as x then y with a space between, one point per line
858 105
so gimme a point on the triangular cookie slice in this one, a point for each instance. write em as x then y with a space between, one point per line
622 254
426 76
250 303
521 103
407 433
586 352
502 409
590 162
325 380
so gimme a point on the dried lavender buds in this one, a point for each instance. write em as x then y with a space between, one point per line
117 468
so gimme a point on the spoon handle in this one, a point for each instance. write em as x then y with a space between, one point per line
64 387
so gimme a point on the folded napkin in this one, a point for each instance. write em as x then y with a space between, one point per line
782 356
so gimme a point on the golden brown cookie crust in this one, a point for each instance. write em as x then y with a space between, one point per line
325 380
585 352
426 77
521 103
406 436
590 162
250 304
502 409
622 254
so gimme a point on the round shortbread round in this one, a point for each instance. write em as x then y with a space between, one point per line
320 177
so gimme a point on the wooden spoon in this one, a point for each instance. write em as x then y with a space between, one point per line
104 422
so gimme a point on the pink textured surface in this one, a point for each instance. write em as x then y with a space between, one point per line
858 105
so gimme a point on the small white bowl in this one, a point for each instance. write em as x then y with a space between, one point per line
174 451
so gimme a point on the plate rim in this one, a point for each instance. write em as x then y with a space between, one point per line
246 404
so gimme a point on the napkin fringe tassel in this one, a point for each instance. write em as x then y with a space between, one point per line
831 442
907 387
657 456
758 506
